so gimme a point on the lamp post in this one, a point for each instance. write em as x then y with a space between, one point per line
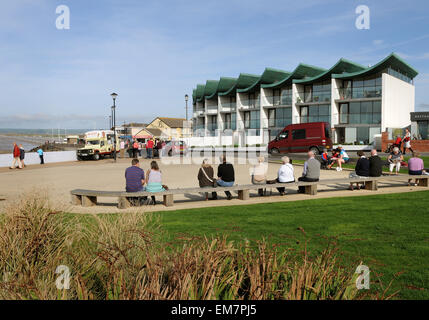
114 95
186 101
110 122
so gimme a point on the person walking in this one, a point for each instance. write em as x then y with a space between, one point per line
135 149
22 155
40 152
226 175
407 141
311 172
16 157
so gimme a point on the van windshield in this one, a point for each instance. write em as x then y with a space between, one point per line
327 132
93 142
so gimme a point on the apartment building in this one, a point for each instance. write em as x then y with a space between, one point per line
358 101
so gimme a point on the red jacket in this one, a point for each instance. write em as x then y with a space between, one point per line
16 151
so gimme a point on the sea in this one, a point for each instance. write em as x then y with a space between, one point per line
31 138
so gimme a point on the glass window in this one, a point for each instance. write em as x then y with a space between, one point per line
324 110
354 118
344 113
376 106
357 83
366 107
298 134
271 117
354 107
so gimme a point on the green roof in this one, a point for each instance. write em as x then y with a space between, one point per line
210 88
302 71
200 92
194 93
270 75
393 61
244 80
224 84
342 66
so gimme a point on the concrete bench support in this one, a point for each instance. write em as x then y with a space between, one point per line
423 182
168 200
76 200
243 194
311 189
371 185
89 201
123 203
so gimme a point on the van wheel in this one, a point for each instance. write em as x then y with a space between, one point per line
274 151
96 156
315 150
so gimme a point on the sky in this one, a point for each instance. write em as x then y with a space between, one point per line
153 52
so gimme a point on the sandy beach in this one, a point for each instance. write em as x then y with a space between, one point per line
57 180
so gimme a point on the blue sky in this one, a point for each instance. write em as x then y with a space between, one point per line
153 52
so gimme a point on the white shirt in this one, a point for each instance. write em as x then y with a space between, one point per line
286 173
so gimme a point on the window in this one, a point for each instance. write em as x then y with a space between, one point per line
316 113
365 112
272 117
283 135
298 134
228 121
276 97
247 119
364 88
286 96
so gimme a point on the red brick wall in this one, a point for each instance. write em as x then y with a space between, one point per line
416 145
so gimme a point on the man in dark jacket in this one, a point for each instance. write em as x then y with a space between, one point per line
375 164
226 175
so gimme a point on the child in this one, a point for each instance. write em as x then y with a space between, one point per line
325 159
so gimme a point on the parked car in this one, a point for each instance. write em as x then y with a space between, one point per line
302 137
175 147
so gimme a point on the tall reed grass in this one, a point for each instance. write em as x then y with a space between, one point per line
124 257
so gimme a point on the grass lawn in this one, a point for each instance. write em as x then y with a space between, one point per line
389 233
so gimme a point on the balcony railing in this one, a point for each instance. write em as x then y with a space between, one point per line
228 107
307 97
212 109
251 104
278 100
359 93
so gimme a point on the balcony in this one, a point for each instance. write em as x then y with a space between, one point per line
212 109
314 97
278 101
359 93
251 104
228 107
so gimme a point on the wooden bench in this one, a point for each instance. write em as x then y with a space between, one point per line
89 197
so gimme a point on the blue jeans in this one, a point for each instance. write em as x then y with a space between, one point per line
149 153
222 183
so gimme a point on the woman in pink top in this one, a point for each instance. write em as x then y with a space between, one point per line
415 167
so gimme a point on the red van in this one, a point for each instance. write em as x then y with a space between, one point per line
302 137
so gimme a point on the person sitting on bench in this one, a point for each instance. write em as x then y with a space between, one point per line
361 169
415 167
395 159
311 171
259 174
375 164
284 175
206 178
154 180
134 177
225 173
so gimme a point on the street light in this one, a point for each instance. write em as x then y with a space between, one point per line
186 101
114 95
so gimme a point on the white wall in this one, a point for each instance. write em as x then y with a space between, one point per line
33 157
397 102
